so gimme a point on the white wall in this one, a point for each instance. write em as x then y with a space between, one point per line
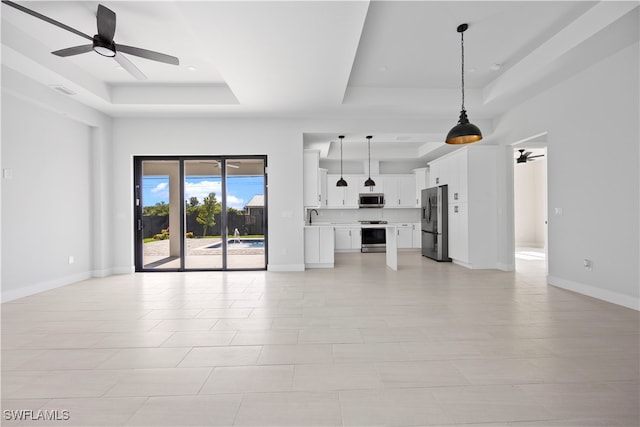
592 120
279 140
46 202
51 204
529 182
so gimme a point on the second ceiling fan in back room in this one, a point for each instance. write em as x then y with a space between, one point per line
102 42
526 157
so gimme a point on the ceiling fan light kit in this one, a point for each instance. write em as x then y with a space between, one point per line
102 43
464 132
104 48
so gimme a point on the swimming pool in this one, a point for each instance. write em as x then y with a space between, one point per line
240 243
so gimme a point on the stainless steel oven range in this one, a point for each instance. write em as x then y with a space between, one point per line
374 239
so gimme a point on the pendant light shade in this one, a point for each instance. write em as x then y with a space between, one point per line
341 182
464 132
369 182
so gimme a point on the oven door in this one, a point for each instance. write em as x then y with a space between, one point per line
374 239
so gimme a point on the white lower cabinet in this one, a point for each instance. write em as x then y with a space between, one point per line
459 232
347 239
318 247
417 235
405 236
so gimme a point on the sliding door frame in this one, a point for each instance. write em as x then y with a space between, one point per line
138 210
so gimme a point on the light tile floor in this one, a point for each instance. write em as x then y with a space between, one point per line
430 344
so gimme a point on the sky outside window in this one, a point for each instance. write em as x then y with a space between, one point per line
155 189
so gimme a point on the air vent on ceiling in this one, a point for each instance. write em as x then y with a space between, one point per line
62 89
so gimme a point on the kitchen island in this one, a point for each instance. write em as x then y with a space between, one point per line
319 243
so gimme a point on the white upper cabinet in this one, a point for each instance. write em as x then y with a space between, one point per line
311 178
378 188
323 188
421 177
342 197
399 191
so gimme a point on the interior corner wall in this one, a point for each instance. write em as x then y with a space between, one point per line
592 120
46 201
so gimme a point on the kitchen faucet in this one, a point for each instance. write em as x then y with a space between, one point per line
310 212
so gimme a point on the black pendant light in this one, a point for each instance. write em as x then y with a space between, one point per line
369 182
341 182
464 132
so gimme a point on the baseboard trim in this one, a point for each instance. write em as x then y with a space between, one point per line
594 292
102 273
505 267
123 270
44 286
477 266
285 267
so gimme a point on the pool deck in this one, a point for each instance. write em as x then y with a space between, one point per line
198 255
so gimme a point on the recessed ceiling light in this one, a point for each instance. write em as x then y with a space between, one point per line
191 68
62 89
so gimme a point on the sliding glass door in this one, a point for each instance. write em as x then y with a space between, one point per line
200 213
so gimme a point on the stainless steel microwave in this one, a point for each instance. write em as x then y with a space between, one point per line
371 200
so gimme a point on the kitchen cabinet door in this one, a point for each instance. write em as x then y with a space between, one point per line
352 190
323 188
311 245
434 174
405 236
347 239
422 181
342 197
326 246
391 196
318 247
459 232
378 188
417 235
406 190
311 178
400 191
335 195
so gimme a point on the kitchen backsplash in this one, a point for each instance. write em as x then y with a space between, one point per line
355 215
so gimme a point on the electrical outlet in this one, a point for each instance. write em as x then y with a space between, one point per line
71 259
588 264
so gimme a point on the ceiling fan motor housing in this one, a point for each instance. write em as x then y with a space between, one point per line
103 47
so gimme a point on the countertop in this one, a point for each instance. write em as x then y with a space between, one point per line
358 225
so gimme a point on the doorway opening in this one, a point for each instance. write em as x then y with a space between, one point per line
530 204
200 213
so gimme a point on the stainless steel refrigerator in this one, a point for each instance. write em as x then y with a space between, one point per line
435 238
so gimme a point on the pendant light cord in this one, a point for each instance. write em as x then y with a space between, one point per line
462 46
341 157
369 157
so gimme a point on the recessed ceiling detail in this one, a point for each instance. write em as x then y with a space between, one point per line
326 59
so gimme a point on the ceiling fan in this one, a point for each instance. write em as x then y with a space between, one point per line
526 157
102 42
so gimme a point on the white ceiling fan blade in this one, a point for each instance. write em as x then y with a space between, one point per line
128 65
